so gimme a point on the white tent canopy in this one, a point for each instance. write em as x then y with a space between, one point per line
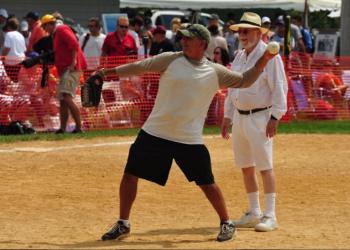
331 5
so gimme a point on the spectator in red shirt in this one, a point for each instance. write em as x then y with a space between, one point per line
120 42
37 32
70 61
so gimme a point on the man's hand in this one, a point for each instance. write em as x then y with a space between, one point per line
225 127
271 128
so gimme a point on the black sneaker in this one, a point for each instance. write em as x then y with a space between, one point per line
118 231
77 131
59 131
227 231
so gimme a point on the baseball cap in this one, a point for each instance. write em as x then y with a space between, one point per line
32 15
159 29
214 16
265 19
47 19
280 20
3 13
196 30
24 26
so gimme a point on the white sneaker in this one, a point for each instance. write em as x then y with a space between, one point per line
266 224
248 220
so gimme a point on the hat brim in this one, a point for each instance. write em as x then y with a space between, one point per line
185 33
235 27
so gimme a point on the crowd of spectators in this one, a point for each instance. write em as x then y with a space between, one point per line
137 37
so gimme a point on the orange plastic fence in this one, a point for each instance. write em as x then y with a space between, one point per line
317 90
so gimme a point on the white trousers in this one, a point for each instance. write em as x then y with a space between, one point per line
251 146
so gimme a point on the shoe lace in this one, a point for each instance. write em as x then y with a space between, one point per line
264 219
117 228
225 228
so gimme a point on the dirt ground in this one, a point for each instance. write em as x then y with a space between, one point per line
64 195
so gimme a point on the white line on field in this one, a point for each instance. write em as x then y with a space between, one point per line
52 149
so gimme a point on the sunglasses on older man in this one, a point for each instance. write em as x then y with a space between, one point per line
123 26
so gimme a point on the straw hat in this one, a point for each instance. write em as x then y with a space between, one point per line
249 20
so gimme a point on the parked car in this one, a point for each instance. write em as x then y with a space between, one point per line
164 17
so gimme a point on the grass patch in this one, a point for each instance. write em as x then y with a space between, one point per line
295 127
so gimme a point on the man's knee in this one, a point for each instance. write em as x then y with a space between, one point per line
250 171
209 188
129 178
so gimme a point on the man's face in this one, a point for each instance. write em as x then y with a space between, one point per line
49 27
192 45
123 27
2 20
93 27
249 37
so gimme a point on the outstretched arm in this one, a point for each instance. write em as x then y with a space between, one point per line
231 79
157 64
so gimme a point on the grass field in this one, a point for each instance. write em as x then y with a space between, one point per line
310 127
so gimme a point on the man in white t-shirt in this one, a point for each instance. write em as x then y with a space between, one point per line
14 48
91 43
173 131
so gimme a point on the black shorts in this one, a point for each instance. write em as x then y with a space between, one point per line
151 157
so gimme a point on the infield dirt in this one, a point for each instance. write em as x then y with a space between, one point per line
67 198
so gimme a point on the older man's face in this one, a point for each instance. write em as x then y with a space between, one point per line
249 37
123 27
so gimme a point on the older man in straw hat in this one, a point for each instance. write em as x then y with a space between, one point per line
254 113
173 131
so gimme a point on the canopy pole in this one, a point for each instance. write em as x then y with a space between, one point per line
306 15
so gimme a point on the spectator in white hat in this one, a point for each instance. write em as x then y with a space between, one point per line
266 23
24 30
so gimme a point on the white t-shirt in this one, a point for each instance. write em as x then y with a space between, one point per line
93 49
16 42
186 89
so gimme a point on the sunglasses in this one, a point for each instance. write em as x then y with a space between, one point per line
92 26
217 53
123 26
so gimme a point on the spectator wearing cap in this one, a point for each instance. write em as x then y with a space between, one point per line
278 36
120 42
59 18
3 19
160 43
91 43
14 48
24 30
266 23
216 39
307 37
297 43
70 62
37 32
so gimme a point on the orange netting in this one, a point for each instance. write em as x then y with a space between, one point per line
317 90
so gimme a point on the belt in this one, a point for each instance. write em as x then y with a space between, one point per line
252 111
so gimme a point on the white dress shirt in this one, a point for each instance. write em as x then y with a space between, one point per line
269 90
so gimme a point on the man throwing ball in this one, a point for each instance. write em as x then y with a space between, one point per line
173 131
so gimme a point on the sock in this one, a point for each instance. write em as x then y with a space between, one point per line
125 222
254 204
226 222
270 203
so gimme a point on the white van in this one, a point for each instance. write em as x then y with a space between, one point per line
164 17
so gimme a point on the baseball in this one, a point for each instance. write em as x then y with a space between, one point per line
273 48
